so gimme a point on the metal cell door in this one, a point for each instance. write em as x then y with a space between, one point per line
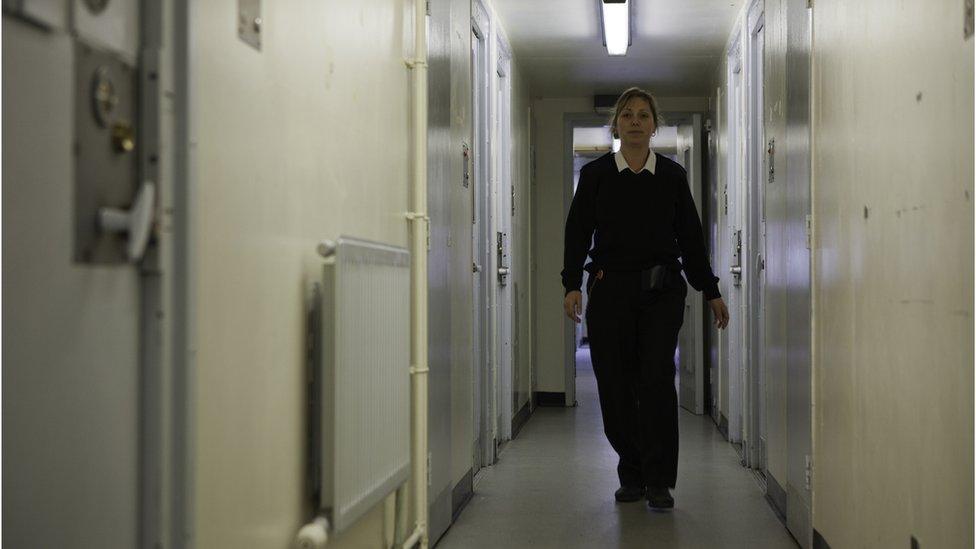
78 208
735 221
482 246
504 264
799 423
754 263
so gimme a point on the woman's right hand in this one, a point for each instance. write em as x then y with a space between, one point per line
573 304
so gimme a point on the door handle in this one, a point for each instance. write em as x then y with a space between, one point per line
502 273
137 221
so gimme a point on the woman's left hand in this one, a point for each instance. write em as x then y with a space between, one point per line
720 311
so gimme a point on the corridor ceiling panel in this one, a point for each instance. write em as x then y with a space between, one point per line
677 45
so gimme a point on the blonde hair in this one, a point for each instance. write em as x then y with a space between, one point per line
629 94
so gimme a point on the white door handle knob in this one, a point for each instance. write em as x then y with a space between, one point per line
137 222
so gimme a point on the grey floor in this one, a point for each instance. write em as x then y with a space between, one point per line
553 487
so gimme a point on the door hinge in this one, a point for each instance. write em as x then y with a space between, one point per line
967 23
429 482
810 3
532 166
513 200
808 474
809 231
428 7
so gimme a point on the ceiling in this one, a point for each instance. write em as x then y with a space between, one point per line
675 50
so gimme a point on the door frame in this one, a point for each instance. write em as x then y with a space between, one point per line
570 122
695 312
176 250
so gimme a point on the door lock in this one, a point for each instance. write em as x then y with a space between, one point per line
501 240
736 268
122 137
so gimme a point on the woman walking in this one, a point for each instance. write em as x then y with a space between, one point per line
636 208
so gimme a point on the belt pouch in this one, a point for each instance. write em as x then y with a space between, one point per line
655 278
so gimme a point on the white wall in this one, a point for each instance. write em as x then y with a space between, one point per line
893 288
550 222
892 270
292 144
522 251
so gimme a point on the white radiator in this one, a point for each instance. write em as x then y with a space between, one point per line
365 378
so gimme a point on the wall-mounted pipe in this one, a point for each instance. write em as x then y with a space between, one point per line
420 226
313 535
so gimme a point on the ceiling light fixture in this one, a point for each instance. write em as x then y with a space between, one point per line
616 25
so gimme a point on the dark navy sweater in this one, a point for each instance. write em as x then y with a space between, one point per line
635 221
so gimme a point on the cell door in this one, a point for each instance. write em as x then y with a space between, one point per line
484 444
502 183
79 373
736 212
799 422
754 265
714 227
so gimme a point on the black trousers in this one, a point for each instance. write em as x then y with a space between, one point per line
633 334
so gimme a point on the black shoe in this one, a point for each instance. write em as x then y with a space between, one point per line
628 493
659 498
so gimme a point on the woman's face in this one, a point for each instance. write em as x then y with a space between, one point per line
635 123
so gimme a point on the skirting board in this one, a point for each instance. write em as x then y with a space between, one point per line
550 399
776 497
461 495
439 517
520 418
723 426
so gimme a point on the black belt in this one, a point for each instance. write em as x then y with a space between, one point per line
656 277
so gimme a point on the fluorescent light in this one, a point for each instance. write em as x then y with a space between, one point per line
616 26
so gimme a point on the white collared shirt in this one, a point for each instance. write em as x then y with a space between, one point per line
649 165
